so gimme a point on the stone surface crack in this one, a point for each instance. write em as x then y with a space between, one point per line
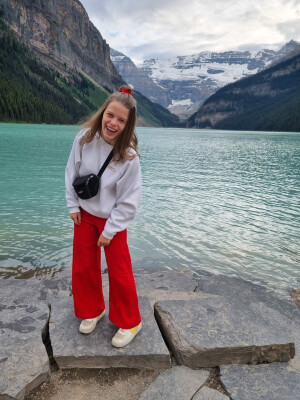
47 342
192 398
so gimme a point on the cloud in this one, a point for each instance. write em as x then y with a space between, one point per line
290 29
145 29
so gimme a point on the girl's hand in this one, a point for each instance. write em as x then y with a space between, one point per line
76 218
102 241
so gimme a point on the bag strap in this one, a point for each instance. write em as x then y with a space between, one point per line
107 161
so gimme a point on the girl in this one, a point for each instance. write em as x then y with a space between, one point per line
101 221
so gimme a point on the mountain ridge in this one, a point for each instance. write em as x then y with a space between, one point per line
137 78
190 80
269 100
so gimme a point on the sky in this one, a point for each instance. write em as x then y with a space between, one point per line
165 29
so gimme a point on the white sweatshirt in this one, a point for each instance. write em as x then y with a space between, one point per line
120 185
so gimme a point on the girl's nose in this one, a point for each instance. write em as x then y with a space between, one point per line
114 121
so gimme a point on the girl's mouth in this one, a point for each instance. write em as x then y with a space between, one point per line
110 130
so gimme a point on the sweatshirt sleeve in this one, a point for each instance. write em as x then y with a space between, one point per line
128 198
72 172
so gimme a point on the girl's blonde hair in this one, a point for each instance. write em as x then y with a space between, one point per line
128 138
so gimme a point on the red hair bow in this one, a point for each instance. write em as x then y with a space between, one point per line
126 91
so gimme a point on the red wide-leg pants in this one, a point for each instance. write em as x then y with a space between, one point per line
86 275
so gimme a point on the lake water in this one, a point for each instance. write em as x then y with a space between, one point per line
219 201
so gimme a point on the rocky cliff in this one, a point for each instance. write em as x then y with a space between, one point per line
62 37
35 93
139 79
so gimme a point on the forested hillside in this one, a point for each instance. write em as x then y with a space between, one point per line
269 100
31 92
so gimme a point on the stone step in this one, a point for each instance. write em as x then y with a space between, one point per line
25 293
246 293
72 349
177 383
23 358
218 331
261 382
227 320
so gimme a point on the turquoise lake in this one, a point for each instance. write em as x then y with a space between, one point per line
219 201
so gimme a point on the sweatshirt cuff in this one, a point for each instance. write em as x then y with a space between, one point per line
107 235
74 210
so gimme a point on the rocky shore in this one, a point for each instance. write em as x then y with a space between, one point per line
204 337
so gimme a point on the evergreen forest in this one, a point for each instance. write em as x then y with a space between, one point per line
33 93
30 92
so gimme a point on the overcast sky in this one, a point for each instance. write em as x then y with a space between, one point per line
144 29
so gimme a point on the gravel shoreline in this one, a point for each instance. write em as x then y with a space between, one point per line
95 384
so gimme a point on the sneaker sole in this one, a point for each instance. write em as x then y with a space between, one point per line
119 345
89 330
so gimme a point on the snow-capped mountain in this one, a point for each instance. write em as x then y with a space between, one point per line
269 100
190 80
139 79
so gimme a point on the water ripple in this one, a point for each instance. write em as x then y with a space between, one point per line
225 202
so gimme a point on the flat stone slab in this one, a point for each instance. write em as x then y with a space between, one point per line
246 293
166 285
177 383
229 286
206 393
163 280
218 331
72 349
166 280
23 358
261 382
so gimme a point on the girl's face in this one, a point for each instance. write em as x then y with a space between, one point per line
114 121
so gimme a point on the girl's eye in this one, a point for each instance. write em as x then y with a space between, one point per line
109 114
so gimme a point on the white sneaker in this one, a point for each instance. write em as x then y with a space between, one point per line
125 336
88 325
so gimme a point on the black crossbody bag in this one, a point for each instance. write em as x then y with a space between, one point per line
87 186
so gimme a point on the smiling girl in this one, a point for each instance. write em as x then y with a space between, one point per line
101 221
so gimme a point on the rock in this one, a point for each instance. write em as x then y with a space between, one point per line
206 393
178 383
60 34
229 286
163 285
245 293
162 280
296 296
23 357
71 349
167 285
156 295
166 280
261 382
217 331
